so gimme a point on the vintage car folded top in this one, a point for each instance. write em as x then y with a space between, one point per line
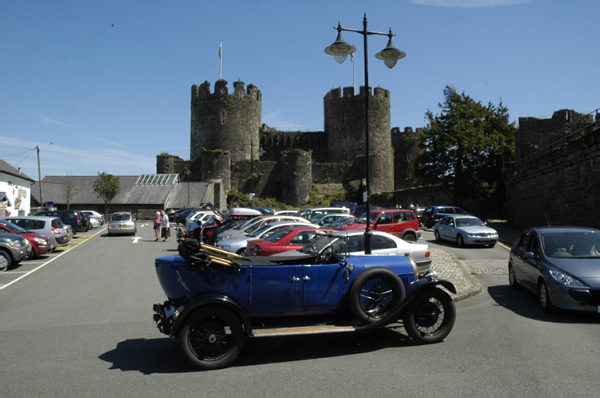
216 299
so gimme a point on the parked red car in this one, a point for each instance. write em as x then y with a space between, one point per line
39 243
287 239
402 223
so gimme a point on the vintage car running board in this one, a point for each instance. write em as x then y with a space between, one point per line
290 331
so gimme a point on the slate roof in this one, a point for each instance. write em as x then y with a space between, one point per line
10 170
174 195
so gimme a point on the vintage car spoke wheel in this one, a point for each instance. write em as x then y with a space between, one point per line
374 294
430 317
544 298
211 338
512 279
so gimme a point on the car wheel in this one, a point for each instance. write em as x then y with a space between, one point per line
410 238
430 317
211 338
512 278
437 236
7 263
544 298
460 241
241 251
374 294
30 255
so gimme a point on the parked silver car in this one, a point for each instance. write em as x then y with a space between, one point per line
237 244
122 223
465 230
13 249
51 227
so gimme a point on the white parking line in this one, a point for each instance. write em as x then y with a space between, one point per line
25 273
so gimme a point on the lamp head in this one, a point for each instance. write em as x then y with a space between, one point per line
340 49
390 55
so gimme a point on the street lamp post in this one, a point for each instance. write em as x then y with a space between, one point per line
390 55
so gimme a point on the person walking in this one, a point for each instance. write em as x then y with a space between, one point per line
166 227
157 226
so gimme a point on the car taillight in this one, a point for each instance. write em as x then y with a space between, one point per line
56 231
427 254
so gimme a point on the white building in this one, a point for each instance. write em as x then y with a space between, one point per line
15 191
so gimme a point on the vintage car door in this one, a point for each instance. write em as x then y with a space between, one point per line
273 290
321 287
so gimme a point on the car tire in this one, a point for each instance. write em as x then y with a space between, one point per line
30 255
241 251
437 236
211 338
8 260
409 237
460 241
374 294
512 278
430 317
544 298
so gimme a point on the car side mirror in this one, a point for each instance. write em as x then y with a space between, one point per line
531 255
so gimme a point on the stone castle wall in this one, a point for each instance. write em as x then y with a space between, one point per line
558 184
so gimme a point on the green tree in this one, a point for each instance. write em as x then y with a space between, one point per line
466 146
107 187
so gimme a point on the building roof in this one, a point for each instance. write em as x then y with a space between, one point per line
146 189
10 170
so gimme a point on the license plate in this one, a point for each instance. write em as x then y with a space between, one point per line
121 226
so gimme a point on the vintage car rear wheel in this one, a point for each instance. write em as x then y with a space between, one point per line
211 338
430 317
374 294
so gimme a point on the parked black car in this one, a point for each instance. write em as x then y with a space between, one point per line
71 217
435 213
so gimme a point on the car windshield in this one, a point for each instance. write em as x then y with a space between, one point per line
14 228
278 235
469 222
363 218
572 244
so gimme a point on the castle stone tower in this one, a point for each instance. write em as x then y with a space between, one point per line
226 121
345 128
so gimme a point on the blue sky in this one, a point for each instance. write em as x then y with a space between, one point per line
106 85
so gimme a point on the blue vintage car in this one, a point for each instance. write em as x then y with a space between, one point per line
216 299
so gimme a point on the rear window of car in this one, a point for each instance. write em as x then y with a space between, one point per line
56 223
121 216
401 216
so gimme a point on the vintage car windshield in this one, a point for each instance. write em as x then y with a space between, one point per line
469 222
572 244
318 244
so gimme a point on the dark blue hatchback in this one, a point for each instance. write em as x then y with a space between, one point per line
435 213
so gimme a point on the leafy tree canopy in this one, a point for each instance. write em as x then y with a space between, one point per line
466 145
107 187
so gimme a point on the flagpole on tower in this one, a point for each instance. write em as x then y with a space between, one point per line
221 60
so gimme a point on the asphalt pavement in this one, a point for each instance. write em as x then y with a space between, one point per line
460 273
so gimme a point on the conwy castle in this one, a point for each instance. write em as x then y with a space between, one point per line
555 174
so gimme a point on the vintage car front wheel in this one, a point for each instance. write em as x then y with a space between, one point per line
210 338
430 317
374 294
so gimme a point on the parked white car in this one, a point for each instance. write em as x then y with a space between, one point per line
383 244
198 218
255 224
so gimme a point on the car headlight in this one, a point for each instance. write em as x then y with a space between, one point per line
226 247
565 279
41 241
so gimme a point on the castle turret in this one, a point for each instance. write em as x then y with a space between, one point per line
345 128
225 121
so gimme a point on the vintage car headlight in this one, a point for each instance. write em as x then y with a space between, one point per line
565 279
